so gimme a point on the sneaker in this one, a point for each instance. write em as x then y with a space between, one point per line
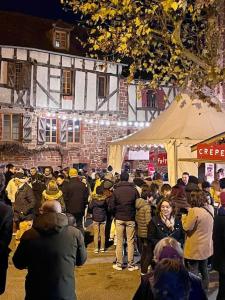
102 250
132 267
117 267
96 251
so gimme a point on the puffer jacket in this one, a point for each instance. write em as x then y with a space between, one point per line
24 204
51 248
98 208
54 195
143 217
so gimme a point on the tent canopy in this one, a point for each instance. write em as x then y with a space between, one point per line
182 124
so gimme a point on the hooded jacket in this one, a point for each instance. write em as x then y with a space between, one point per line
98 208
57 195
49 251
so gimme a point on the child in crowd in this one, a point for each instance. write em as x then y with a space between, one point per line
98 208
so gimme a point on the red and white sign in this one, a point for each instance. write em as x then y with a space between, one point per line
162 159
211 152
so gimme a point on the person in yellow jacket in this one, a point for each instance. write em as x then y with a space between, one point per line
98 182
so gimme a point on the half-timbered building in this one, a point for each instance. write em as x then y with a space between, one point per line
59 107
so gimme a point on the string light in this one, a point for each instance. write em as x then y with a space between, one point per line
98 121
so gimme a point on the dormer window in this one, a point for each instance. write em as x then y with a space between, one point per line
61 39
61 35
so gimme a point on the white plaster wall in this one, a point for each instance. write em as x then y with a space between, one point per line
55 72
89 64
41 57
113 105
79 90
55 84
78 63
140 115
5 95
56 96
22 54
132 101
91 91
7 52
111 68
54 59
67 104
4 71
66 61
42 76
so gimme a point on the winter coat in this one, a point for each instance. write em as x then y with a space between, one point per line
50 251
157 230
38 187
144 291
54 195
98 208
198 225
77 196
122 202
143 217
219 241
6 228
24 204
11 190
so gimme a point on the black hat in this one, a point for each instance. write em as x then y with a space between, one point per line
107 184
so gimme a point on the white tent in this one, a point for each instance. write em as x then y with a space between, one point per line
182 124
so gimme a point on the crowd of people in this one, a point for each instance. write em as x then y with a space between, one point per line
179 231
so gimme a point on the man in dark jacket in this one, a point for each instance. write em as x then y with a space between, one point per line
122 204
50 250
76 198
6 227
219 246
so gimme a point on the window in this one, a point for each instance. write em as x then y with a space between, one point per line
73 132
19 75
103 86
12 127
61 39
67 82
151 99
51 131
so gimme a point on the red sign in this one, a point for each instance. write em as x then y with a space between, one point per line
211 152
162 159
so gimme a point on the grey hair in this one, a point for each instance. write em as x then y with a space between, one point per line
51 206
168 241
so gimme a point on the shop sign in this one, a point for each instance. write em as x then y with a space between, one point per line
162 159
211 152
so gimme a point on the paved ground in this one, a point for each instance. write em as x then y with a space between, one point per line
96 280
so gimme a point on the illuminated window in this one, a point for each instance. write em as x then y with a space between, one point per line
12 127
73 131
67 82
51 131
61 39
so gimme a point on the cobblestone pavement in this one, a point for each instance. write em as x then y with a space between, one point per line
96 280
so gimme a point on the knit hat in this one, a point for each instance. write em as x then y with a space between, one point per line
107 184
73 172
169 252
222 198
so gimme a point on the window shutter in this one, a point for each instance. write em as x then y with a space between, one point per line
41 131
27 128
63 131
144 96
160 98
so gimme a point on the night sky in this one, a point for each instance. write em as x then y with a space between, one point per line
50 9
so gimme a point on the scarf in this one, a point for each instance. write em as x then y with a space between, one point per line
169 222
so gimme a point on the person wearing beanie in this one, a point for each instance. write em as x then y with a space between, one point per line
168 249
219 246
52 192
76 198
